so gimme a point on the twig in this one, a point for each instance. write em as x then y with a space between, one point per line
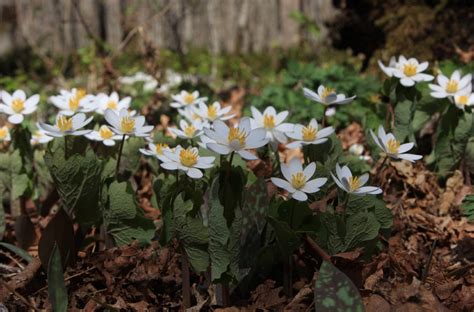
89 32
13 291
426 271
6 254
186 281
315 248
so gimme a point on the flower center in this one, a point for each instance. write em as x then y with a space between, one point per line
211 112
452 86
112 104
75 100
235 134
159 148
268 121
105 132
3 132
462 100
188 157
409 70
64 124
309 133
18 105
189 99
392 146
327 92
189 131
37 134
354 183
298 180
127 124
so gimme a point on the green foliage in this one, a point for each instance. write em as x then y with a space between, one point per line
334 291
56 286
18 251
467 207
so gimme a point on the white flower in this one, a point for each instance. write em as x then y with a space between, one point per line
212 112
358 150
16 105
74 101
392 147
410 71
104 135
309 134
188 130
112 101
272 123
187 160
40 137
149 82
66 126
327 96
236 139
156 150
192 116
463 101
5 134
186 99
392 66
331 111
353 185
124 123
455 85
297 180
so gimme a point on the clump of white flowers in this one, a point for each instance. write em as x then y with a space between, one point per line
17 105
453 86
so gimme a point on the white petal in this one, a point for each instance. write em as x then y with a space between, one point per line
15 119
300 196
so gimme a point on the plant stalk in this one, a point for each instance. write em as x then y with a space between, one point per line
119 157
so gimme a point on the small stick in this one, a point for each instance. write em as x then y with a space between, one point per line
13 291
186 281
119 155
426 271
315 248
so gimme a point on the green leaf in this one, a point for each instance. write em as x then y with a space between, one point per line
56 286
18 251
332 224
334 291
139 228
383 214
20 185
360 227
121 202
2 213
467 207
404 111
287 239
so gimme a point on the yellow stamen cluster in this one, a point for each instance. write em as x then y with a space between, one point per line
105 132
462 100
298 180
211 112
188 157
18 105
64 124
452 86
3 132
189 131
309 133
354 183
327 92
112 104
189 99
159 148
392 146
127 124
235 134
75 100
409 69
268 121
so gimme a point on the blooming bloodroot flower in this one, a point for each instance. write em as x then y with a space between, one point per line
187 160
353 184
392 147
104 135
156 150
212 112
40 137
186 99
112 101
392 66
272 123
297 180
463 101
124 123
410 71
74 101
17 105
309 134
448 87
358 150
5 134
65 125
238 139
327 96
188 130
